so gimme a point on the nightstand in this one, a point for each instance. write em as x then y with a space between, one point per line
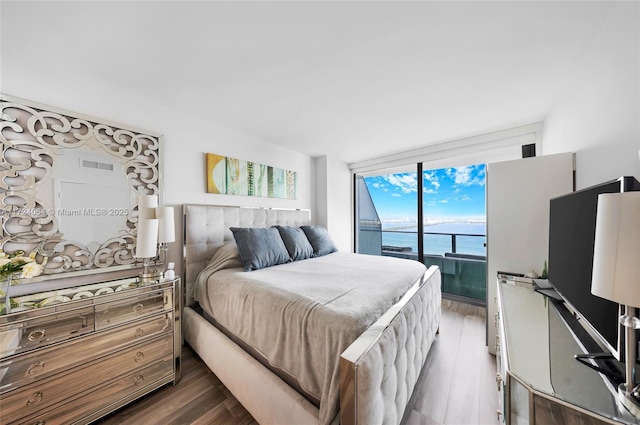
77 354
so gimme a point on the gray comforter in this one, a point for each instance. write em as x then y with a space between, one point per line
301 316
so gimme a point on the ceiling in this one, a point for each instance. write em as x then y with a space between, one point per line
350 79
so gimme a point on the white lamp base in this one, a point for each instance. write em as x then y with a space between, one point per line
628 401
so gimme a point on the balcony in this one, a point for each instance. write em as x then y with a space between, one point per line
464 268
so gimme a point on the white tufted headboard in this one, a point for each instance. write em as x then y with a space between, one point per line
206 226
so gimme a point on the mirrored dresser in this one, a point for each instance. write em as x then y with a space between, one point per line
71 356
539 380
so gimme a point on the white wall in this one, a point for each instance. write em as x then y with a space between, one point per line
597 115
334 200
187 137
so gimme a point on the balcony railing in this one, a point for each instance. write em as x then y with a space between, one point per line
460 256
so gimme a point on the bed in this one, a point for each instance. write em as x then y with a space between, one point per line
369 378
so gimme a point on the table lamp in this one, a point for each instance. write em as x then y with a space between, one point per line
166 231
616 275
147 205
146 246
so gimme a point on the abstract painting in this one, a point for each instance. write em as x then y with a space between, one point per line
232 176
237 177
216 174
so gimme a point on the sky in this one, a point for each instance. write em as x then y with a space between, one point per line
449 194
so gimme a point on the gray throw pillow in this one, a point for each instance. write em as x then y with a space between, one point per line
260 247
296 242
320 240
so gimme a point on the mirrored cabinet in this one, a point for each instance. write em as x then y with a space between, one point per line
539 380
83 335
74 355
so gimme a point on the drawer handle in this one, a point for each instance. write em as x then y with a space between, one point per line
139 356
138 333
35 368
34 399
39 423
36 334
138 308
138 380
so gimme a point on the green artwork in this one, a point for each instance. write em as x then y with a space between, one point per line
237 177
231 176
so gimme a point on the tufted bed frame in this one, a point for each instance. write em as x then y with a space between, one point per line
378 371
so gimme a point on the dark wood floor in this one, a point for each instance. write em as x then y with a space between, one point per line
457 384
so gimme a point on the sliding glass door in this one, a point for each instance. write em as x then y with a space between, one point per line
386 204
437 218
455 229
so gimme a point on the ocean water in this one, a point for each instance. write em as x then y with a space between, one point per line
440 243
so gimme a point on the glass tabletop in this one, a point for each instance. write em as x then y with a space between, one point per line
541 351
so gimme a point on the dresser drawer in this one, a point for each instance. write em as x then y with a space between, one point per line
36 332
23 369
132 308
43 394
97 403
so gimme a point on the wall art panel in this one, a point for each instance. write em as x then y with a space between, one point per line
216 173
232 176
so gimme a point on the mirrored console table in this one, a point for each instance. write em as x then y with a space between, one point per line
539 380
73 355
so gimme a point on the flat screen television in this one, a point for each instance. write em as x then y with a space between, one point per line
572 227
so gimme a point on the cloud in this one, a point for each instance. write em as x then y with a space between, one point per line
467 175
407 183
432 178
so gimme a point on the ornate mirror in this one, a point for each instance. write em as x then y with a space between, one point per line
69 186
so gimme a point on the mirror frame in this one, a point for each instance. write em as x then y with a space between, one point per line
32 135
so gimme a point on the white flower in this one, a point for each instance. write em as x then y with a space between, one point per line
18 263
31 269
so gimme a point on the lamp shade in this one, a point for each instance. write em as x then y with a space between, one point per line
147 205
166 231
147 242
616 253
